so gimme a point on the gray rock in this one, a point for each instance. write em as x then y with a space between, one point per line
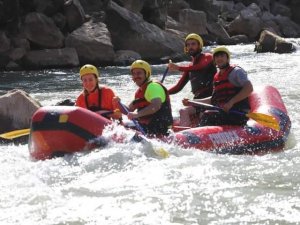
287 27
280 9
133 5
16 110
42 32
193 21
92 42
17 53
147 39
18 42
126 57
74 13
219 33
248 23
4 42
51 58
270 42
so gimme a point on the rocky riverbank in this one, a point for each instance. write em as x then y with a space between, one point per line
37 34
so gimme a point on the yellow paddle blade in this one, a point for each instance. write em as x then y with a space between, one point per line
161 152
14 134
264 119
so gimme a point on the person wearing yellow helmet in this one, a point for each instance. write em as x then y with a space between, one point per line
199 72
95 97
231 89
151 105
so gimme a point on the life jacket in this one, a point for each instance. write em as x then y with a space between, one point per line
98 100
163 115
202 80
224 91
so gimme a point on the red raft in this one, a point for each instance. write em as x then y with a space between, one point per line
56 130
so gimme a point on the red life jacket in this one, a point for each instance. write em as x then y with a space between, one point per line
99 99
202 80
163 115
224 90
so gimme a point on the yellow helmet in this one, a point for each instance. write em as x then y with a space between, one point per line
195 37
141 64
88 69
221 49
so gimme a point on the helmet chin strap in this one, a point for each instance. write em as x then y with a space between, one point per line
223 66
145 81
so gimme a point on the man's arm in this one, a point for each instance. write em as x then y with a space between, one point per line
205 61
244 93
180 84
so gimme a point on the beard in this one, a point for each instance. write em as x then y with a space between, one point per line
194 52
224 66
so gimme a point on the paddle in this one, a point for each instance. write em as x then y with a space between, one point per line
160 152
165 73
19 133
15 134
263 119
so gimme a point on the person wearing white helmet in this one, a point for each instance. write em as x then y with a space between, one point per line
199 72
151 106
231 89
95 97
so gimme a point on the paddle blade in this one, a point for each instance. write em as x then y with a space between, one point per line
161 152
15 134
264 119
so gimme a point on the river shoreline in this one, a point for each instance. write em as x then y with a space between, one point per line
69 33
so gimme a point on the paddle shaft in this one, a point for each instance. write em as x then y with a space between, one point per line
160 152
165 73
263 119
208 106
136 123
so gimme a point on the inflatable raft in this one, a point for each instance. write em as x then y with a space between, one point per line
57 130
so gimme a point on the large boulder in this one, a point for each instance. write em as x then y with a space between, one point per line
210 7
42 32
132 5
220 34
288 28
248 22
93 44
270 42
155 12
175 7
16 110
47 7
280 9
193 21
147 39
50 58
269 23
10 14
295 8
74 13
4 42
126 57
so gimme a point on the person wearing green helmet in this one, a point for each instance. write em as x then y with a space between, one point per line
199 72
151 106
95 97
231 89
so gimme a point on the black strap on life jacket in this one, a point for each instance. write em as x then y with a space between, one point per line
94 108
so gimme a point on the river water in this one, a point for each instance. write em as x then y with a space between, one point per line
123 185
